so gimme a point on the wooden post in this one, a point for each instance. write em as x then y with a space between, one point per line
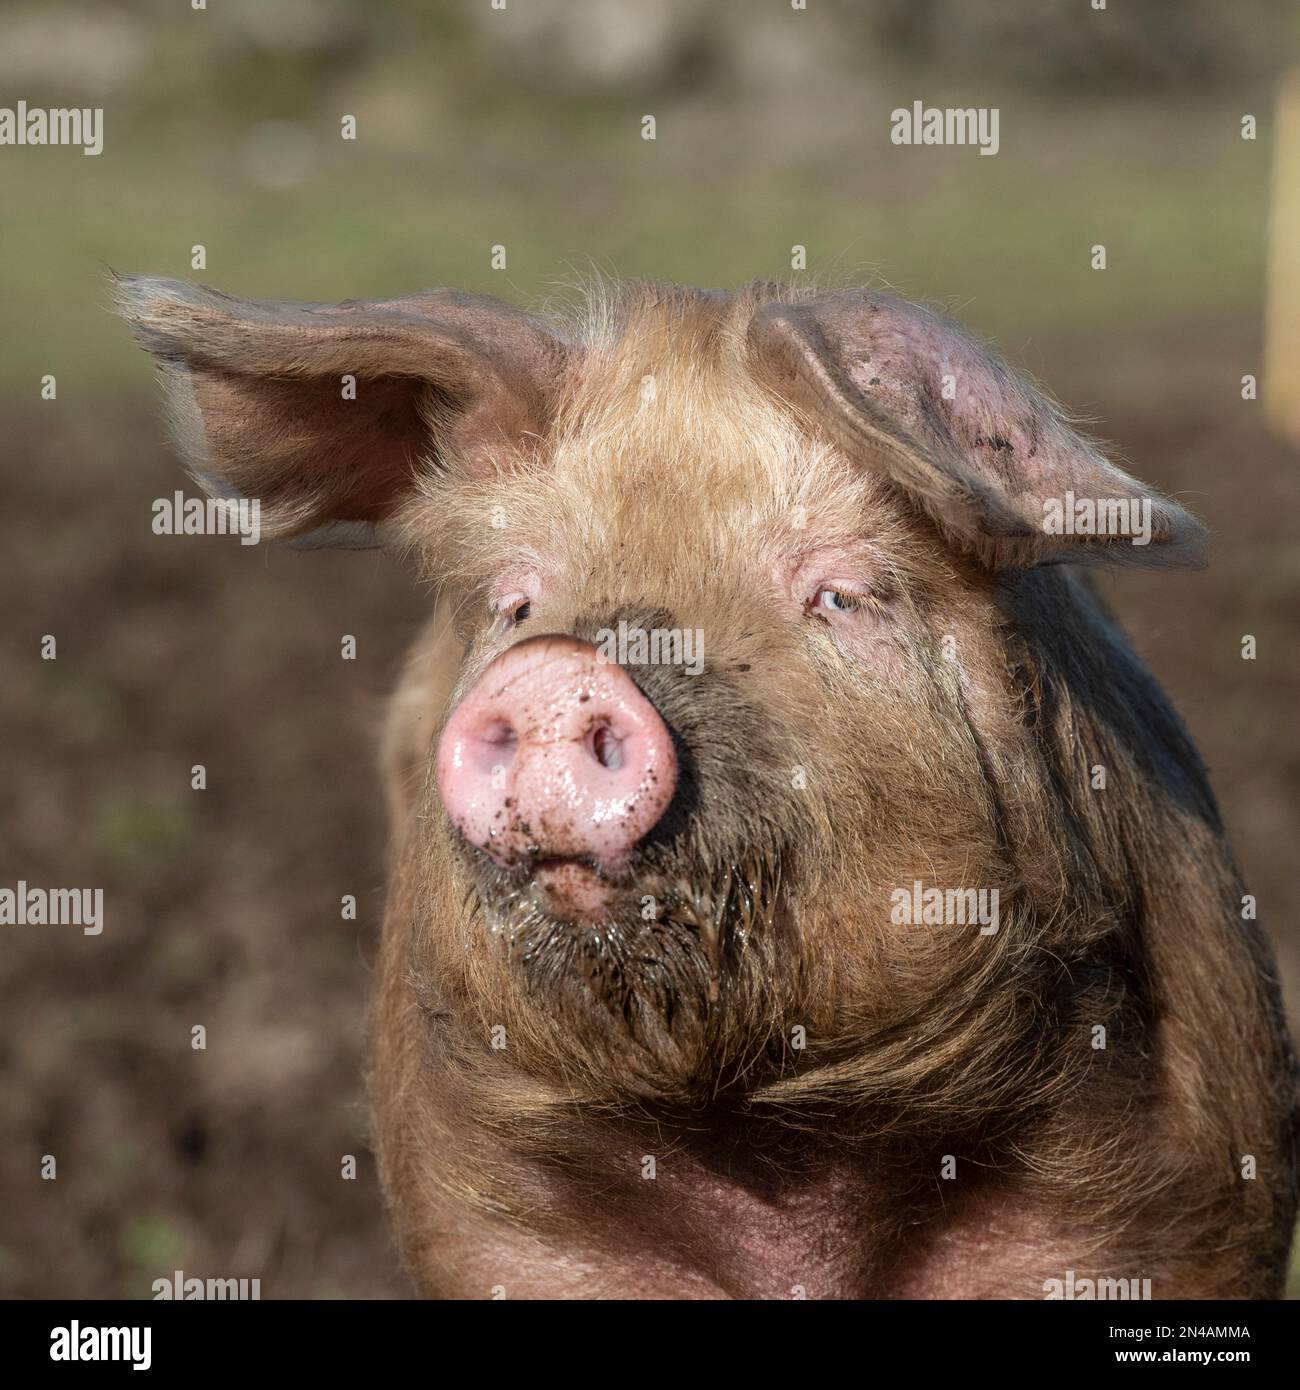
1281 385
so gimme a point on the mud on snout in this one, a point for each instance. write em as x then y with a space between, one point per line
652 921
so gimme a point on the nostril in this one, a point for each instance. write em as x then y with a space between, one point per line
606 746
488 747
499 733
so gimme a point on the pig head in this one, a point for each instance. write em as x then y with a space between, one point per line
799 884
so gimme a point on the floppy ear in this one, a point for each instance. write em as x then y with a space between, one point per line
989 456
326 413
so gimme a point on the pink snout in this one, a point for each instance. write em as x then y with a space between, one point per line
555 753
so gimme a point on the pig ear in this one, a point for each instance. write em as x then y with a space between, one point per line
990 457
328 413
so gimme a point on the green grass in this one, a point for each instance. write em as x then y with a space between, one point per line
1177 198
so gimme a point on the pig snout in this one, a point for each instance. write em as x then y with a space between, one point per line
555 754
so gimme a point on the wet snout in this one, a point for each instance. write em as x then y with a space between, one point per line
555 754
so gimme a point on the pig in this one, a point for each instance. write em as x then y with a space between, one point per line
891 947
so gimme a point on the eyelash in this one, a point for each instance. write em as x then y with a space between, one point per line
855 602
512 616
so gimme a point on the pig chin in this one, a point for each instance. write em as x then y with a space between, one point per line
653 937
573 891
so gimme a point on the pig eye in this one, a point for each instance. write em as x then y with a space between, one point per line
832 600
514 609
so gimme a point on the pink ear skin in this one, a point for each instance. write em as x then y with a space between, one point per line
988 456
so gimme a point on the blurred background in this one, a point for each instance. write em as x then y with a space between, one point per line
518 127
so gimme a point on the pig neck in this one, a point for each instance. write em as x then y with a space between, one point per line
502 1185
717 1206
